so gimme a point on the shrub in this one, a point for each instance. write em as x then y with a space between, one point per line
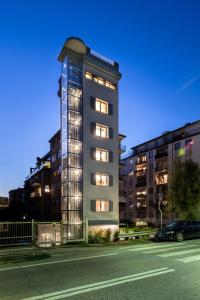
107 236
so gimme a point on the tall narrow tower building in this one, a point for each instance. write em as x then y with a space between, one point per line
89 139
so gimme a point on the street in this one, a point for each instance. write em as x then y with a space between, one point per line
167 270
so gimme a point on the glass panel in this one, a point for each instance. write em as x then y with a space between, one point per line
102 179
104 205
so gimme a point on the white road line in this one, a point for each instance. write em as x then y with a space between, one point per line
166 249
189 258
57 262
153 247
176 253
100 285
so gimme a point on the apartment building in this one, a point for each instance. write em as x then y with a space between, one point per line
37 192
89 139
147 171
55 163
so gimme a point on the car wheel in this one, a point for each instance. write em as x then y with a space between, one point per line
179 237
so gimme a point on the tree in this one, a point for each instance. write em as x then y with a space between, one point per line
184 193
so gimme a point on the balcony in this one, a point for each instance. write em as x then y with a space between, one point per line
161 179
141 183
141 206
140 173
161 154
141 162
161 169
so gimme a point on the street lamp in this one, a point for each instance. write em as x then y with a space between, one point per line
160 198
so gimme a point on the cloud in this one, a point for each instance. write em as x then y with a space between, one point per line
187 84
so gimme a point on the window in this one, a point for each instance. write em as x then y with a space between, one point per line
102 205
102 155
88 75
161 179
47 189
110 85
100 80
177 146
102 179
102 131
150 154
101 106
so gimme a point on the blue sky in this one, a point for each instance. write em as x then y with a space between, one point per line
157 44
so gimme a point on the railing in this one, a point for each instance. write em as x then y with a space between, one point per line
141 184
109 61
37 233
161 169
131 235
161 154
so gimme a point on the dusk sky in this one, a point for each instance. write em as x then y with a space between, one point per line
157 44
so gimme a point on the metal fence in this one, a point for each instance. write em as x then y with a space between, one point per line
38 233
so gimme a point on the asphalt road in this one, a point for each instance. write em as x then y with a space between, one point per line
153 271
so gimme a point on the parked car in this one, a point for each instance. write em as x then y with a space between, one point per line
179 231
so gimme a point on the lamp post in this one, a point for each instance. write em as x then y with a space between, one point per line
160 197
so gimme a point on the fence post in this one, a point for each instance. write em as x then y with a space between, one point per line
32 231
61 232
86 230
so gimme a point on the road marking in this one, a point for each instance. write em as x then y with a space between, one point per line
166 249
57 262
100 285
189 259
179 253
154 247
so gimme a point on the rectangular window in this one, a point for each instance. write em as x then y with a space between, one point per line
88 75
102 155
101 106
102 179
110 85
150 154
47 189
100 80
102 131
177 146
102 205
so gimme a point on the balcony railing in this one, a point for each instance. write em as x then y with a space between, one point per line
140 173
141 184
140 162
161 154
161 169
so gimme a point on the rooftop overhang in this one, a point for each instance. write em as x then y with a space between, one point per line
72 44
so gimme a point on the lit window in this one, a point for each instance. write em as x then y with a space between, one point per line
102 179
102 131
101 106
162 179
47 189
110 85
101 155
100 81
88 75
102 205
141 159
